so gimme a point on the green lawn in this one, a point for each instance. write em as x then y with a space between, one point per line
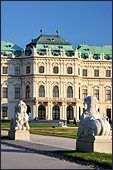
71 133
100 159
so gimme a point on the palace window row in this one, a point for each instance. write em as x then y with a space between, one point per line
56 92
56 71
96 73
69 92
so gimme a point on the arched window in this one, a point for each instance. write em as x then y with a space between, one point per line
70 115
108 94
41 91
56 113
96 93
27 92
69 70
55 70
41 112
28 69
69 92
41 69
84 93
55 91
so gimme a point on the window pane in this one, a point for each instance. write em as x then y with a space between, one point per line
4 112
69 70
108 94
17 70
27 92
96 73
69 92
55 69
5 92
84 72
28 69
84 91
41 69
41 91
5 70
96 93
108 73
55 92
17 93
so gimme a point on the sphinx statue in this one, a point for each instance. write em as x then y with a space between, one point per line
20 119
91 123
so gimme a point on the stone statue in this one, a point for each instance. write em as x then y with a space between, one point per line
20 119
91 124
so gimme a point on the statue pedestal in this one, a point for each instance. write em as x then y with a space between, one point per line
19 135
95 144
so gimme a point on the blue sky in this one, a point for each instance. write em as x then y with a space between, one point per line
88 22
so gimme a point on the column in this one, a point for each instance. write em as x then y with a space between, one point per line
34 110
63 110
61 117
77 112
76 89
46 106
49 110
37 109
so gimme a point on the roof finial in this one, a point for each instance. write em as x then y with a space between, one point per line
41 30
57 31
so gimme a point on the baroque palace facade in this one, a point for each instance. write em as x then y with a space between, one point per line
53 78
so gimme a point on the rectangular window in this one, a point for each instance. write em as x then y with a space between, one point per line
108 94
108 73
84 92
78 71
96 93
96 73
17 70
4 112
84 72
17 93
5 70
5 92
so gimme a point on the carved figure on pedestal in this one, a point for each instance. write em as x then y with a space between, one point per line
20 119
91 124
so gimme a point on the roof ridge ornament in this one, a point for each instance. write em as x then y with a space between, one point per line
57 31
41 30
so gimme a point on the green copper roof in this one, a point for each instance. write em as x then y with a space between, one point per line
50 39
95 49
55 42
9 48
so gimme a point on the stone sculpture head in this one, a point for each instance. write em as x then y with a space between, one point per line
22 108
92 104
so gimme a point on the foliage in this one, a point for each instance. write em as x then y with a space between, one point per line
5 121
5 137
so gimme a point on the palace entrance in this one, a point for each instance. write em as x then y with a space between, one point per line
41 112
56 113
70 114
